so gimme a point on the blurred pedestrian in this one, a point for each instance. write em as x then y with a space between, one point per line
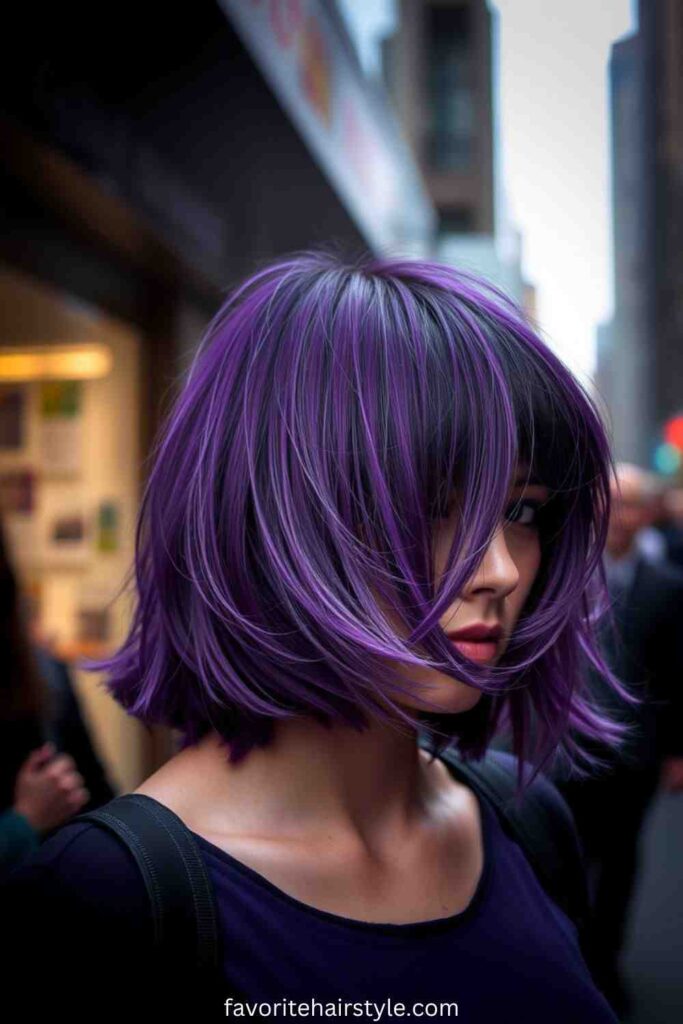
669 522
649 540
644 647
48 768
47 791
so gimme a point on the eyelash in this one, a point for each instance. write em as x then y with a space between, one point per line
535 505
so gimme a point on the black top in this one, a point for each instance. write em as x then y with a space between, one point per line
79 909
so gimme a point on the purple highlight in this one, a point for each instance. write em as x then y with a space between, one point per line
330 410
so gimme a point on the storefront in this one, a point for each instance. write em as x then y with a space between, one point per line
69 484
134 193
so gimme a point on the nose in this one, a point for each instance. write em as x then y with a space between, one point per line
497 572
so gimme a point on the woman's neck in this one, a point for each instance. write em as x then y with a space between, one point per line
312 780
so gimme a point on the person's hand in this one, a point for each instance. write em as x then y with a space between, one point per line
48 790
671 777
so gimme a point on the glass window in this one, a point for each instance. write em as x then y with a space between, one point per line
451 138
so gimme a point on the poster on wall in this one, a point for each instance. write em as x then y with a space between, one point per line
13 412
61 427
17 509
17 491
65 532
107 537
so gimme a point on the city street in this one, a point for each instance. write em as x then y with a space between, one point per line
655 954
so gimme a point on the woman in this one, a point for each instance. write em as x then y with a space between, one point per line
376 511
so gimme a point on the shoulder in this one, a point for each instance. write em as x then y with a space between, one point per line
495 778
541 801
74 908
83 860
542 824
82 870
508 765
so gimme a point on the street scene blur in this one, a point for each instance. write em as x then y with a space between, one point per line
537 144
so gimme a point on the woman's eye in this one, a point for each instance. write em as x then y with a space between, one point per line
524 513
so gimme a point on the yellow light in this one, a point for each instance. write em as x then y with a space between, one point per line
73 362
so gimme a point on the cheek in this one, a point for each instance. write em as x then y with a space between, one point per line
441 545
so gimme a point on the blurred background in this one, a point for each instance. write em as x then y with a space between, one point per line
150 161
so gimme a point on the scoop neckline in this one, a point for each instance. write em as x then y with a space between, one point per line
389 928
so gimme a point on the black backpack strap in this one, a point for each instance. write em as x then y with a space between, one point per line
542 824
180 890
181 894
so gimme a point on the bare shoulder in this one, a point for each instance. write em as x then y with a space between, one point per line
197 786
176 784
336 876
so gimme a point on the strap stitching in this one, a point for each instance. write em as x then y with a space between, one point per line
206 914
117 824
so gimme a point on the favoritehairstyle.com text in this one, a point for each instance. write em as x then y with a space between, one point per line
365 1009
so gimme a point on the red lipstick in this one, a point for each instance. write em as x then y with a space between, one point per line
477 642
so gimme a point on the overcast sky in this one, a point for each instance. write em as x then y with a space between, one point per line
554 142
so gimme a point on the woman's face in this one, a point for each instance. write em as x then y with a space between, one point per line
493 597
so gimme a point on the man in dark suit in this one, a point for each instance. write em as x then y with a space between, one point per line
645 650
667 518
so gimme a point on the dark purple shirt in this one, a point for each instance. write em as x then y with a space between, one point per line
511 954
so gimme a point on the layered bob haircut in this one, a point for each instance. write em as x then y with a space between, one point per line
331 409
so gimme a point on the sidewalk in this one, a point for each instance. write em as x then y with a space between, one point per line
654 958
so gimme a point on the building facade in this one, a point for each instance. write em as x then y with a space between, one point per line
440 75
625 359
440 69
640 352
140 180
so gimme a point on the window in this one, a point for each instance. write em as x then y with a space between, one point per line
451 138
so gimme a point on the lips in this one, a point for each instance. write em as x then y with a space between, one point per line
478 633
477 642
477 651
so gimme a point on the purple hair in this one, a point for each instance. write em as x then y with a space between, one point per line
330 410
